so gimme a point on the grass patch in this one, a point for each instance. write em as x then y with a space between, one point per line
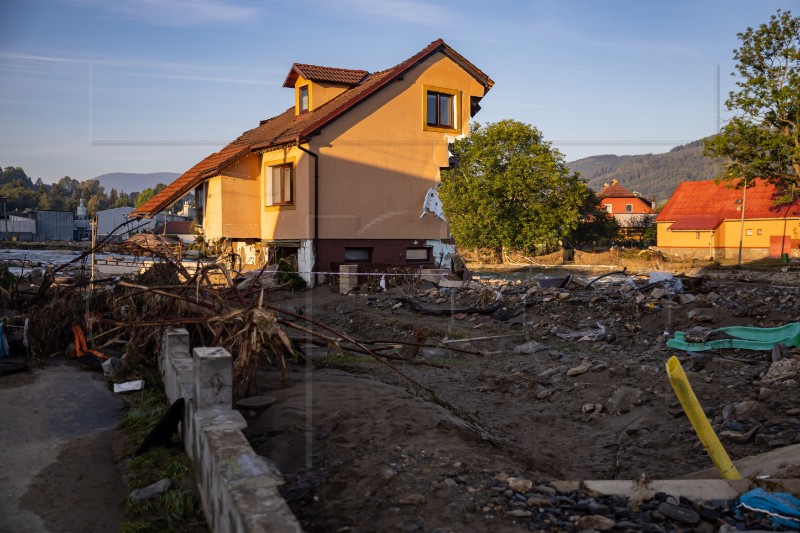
179 509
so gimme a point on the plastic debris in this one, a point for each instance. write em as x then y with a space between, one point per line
129 386
783 509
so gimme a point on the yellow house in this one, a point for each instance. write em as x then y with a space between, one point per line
347 174
705 219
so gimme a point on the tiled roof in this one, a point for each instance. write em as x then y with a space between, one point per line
696 203
190 179
697 222
342 76
615 190
288 128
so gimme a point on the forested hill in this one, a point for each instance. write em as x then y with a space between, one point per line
651 175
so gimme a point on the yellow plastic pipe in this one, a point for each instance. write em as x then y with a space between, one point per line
685 394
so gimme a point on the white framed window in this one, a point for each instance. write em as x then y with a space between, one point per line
440 109
302 99
609 208
280 185
749 232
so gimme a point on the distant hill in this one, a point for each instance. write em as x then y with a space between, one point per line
651 175
131 182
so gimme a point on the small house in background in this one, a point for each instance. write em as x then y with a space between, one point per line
346 173
705 219
119 221
182 230
629 209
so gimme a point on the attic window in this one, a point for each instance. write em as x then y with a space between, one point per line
441 109
629 208
302 99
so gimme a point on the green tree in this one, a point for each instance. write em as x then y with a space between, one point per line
763 139
148 193
597 226
510 189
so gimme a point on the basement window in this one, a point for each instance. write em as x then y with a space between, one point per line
357 255
418 255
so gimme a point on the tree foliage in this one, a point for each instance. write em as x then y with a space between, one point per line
510 189
763 139
597 226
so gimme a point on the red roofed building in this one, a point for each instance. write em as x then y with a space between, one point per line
348 173
628 208
704 219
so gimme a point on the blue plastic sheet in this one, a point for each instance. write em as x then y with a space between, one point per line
783 509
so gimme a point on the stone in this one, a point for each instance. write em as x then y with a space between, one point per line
581 369
596 522
519 484
520 513
112 366
538 501
623 400
145 493
751 408
657 294
686 298
783 370
679 514
412 499
530 347
698 333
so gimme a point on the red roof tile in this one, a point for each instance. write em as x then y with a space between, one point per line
696 203
699 222
287 127
615 190
341 76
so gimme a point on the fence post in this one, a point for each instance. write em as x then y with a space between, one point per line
213 378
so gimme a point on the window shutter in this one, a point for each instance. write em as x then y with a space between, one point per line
268 188
287 184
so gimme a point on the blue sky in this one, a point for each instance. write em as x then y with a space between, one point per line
95 86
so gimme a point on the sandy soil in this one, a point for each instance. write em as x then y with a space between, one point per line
363 449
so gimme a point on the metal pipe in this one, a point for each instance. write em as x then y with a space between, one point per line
316 201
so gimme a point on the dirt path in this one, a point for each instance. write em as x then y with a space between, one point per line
58 472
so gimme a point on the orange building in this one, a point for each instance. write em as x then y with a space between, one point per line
707 219
626 207
348 173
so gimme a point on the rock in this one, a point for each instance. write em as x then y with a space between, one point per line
544 489
592 408
581 369
530 347
520 513
596 522
657 294
751 408
738 437
412 499
686 298
783 370
519 484
112 366
779 351
698 333
712 297
159 487
538 501
388 473
679 514
623 400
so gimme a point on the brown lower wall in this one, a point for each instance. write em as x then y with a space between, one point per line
389 251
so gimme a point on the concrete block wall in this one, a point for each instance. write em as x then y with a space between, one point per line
238 488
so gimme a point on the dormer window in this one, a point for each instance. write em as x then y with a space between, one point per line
441 109
302 99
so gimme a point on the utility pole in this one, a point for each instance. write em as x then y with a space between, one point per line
5 220
741 233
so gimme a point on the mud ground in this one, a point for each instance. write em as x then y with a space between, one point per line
366 449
